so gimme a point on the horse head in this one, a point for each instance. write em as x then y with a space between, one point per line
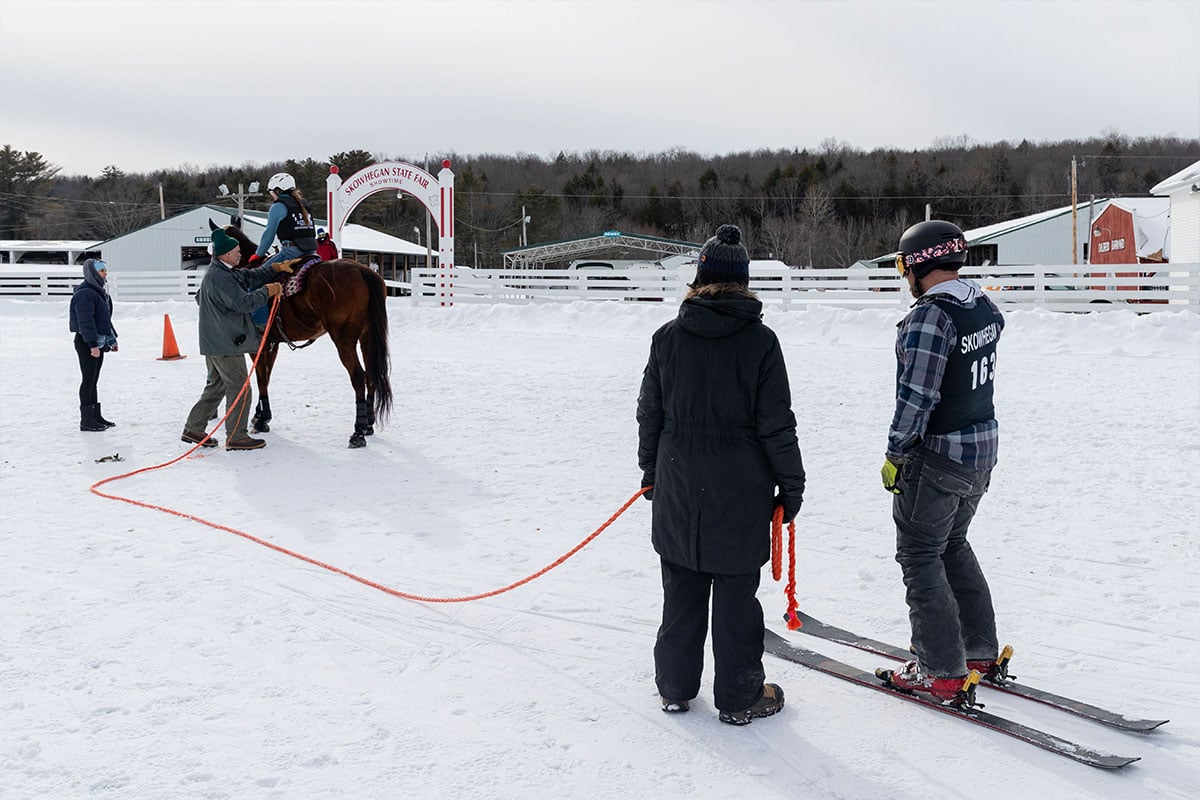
246 247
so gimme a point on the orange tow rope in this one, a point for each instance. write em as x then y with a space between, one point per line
791 616
277 548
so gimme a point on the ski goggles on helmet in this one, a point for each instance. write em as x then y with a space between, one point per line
906 262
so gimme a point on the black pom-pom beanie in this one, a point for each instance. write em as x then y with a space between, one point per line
723 259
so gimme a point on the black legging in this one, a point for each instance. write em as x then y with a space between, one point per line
89 368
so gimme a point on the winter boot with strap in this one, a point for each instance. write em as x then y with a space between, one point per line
89 418
102 420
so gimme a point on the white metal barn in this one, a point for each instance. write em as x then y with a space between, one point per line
184 241
1043 238
172 244
1183 191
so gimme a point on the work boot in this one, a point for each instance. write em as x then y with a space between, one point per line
89 418
102 420
245 443
768 703
198 438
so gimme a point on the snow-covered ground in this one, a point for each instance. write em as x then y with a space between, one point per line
145 655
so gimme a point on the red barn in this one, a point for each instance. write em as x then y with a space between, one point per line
1131 231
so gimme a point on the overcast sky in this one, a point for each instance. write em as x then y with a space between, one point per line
172 83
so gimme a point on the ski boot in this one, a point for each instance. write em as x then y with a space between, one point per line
994 671
954 692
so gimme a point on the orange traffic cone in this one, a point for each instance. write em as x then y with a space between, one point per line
170 349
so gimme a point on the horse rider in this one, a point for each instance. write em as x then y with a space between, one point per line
290 219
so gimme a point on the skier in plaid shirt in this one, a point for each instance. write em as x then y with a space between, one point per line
941 448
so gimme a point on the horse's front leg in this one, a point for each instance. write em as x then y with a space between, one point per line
262 372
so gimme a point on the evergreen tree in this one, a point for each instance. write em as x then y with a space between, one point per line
25 181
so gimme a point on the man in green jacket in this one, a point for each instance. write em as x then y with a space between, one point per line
227 334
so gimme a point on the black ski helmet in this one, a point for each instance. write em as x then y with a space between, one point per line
933 244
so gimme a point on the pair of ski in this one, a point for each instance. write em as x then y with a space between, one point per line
786 648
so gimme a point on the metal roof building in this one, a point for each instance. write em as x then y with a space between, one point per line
612 244
183 241
1183 191
47 251
1045 237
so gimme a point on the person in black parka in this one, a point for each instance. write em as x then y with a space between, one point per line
716 437
91 322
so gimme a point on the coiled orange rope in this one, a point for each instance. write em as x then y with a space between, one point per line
790 616
365 581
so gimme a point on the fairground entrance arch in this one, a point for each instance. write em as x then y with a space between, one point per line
436 194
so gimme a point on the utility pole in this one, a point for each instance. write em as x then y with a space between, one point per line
241 196
162 208
524 222
1074 214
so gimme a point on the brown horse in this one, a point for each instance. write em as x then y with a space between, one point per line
349 302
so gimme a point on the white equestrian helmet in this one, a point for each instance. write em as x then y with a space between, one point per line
281 182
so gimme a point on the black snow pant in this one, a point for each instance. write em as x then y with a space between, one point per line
89 368
949 603
737 621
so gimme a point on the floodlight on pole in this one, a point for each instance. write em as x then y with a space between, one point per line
241 196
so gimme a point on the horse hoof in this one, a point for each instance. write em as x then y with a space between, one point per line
357 440
258 426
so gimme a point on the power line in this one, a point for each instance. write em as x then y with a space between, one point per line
783 198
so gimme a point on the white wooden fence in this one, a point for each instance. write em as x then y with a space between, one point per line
40 281
1055 288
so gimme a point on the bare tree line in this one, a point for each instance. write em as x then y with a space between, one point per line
826 207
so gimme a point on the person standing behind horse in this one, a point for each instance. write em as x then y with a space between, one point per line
289 219
91 322
227 334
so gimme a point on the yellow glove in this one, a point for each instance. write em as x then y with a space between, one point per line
888 471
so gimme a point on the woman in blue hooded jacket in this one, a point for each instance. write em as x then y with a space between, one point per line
91 322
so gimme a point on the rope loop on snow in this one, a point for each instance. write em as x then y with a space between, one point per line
95 489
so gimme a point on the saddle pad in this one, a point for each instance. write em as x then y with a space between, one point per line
295 283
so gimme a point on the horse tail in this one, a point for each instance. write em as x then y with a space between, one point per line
379 362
